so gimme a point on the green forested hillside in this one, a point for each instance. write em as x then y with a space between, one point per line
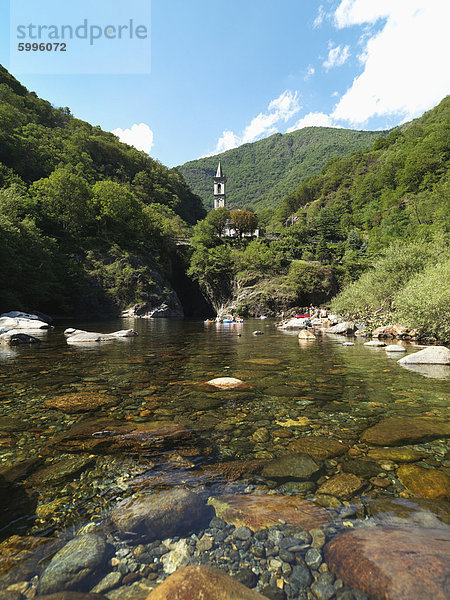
87 224
373 226
262 173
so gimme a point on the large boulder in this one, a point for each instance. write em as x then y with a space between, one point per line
202 582
390 331
263 511
392 563
22 323
342 328
299 323
307 335
396 431
81 337
76 566
165 514
37 316
433 355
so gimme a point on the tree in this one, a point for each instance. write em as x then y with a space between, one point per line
243 221
218 218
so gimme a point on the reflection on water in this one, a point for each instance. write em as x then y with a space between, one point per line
80 425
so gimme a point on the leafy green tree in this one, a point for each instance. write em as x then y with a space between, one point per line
218 218
244 221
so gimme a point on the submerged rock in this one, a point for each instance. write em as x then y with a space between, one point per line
392 563
102 436
76 566
427 483
375 344
80 402
226 383
395 431
261 512
161 515
395 348
306 335
319 448
291 466
397 454
344 485
434 355
207 583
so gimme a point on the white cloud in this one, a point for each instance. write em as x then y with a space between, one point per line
337 56
404 70
313 119
140 136
309 72
278 111
321 14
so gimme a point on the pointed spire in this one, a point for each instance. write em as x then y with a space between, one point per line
219 170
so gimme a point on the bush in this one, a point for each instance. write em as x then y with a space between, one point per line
424 302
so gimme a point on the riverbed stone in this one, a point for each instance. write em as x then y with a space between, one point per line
200 581
177 557
398 454
226 383
320 448
395 348
375 344
361 467
342 328
392 563
76 566
263 511
344 485
433 355
103 436
71 596
161 515
61 469
80 402
396 431
291 466
427 483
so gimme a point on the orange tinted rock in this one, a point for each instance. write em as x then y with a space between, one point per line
261 512
202 582
395 431
427 483
392 563
318 447
344 485
235 469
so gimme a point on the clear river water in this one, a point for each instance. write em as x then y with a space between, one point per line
82 428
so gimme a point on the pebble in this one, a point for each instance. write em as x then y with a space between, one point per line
313 558
243 533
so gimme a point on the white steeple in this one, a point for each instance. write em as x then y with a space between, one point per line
219 188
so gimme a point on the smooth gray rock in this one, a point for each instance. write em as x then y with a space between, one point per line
342 328
76 566
433 355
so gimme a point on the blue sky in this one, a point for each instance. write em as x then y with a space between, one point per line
223 73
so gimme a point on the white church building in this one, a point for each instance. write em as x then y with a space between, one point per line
220 201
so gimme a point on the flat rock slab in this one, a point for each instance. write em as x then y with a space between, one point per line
261 512
71 596
319 448
433 355
161 515
202 582
80 402
427 483
344 485
398 454
406 430
99 436
62 469
392 563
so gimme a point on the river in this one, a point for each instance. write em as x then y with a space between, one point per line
58 479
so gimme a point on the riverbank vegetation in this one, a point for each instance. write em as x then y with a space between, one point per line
87 224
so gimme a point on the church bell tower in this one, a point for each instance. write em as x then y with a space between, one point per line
219 188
